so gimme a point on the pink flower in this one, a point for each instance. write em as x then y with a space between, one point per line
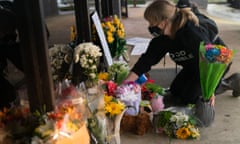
157 103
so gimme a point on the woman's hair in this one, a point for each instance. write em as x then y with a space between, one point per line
160 10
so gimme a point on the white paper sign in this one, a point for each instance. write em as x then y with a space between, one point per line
140 45
102 37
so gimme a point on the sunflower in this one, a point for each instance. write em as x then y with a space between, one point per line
183 133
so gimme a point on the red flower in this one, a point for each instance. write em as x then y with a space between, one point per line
111 87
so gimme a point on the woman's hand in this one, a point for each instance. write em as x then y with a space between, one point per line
212 100
131 77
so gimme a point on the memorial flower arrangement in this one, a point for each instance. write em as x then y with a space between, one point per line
60 61
17 124
213 62
114 110
115 35
66 121
118 71
130 94
87 55
113 106
61 123
177 125
103 120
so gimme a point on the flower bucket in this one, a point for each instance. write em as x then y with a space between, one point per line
205 113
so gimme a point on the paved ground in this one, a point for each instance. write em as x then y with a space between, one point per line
226 126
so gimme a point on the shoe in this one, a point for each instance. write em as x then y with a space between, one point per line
236 93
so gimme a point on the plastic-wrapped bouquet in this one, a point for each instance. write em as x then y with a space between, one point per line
17 124
67 123
114 110
177 125
130 94
213 62
118 71
113 106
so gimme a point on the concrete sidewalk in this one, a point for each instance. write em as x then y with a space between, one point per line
226 126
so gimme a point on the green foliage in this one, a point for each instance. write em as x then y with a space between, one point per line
154 88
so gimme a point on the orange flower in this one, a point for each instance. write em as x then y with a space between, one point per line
183 133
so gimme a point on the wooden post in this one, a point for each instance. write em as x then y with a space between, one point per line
83 26
82 21
105 8
34 49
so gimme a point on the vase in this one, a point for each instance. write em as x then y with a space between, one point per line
89 83
113 129
95 98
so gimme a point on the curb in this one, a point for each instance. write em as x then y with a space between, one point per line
223 11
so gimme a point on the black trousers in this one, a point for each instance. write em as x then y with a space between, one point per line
185 88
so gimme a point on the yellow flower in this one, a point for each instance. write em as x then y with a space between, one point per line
103 24
183 133
109 33
108 24
108 108
110 39
116 109
120 34
113 106
73 34
72 127
194 131
121 26
103 76
116 20
111 28
107 99
47 133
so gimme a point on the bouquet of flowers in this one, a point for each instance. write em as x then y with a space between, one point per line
115 35
118 71
113 106
114 110
67 121
17 124
88 54
60 61
212 64
153 92
130 94
103 120
177 125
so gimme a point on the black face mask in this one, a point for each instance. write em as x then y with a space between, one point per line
155 31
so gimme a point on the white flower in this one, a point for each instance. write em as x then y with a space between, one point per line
87 55
59 54
92 75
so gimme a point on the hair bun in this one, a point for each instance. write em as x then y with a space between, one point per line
183 4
